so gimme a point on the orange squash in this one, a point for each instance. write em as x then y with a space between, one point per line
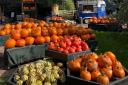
13 26
7 26
111 56
24 24
119 72
29 40
54 38
108 72
36 32
18 26
74 66
95 74
103 79
20 43
29 25
16 35
52 31
47 39
86 75
59 31
24 33
39 40
44 32
2 32
8 31
10 43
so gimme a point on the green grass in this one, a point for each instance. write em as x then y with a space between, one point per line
115 42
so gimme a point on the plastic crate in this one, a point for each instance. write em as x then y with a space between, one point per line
63 56
20 55
74 79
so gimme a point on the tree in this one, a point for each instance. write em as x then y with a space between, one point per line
122 14
122 10
69 5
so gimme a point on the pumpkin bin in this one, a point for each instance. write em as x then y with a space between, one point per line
100 75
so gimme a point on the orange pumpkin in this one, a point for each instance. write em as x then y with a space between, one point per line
7 31
42 23
54 38
93 56
60 37
13 26
111 56
20 43
29 30
47 39
103 79
79 60
10 43
74 66
55 24
66 31
91 64
7 26
104 61
52 31
119 72
60 31
36 32
86 75
118 64
16 35
90 20
51 25
15 31
39 40
95 21
2 32
29 40
34 25
18 26
24 33
24 24
29 25
108 72
95 74
44 32
94 18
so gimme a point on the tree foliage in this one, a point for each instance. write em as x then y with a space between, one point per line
69 5
122 15
122 10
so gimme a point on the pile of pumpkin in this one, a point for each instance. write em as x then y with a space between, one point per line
41 72
100 68
102 20
24 34
28 33
56 18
